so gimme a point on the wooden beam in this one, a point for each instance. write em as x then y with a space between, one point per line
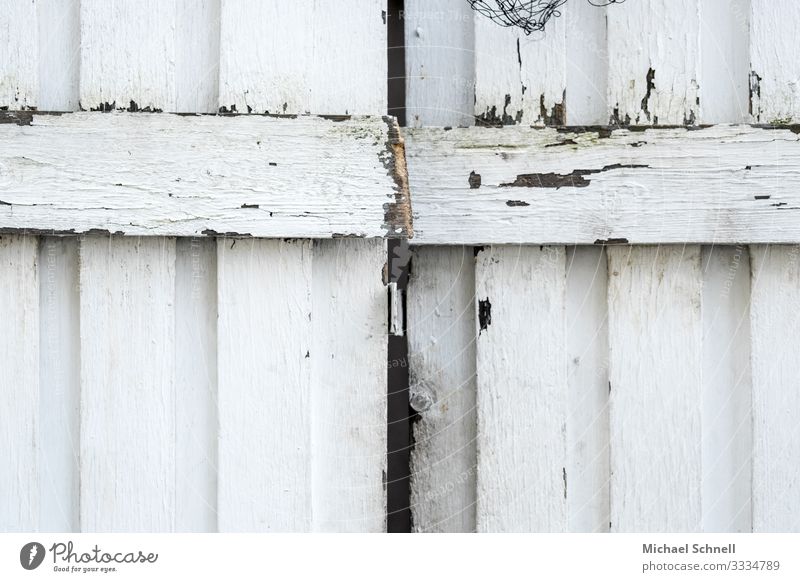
171 175
718 184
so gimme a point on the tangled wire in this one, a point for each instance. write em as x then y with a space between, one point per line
529 15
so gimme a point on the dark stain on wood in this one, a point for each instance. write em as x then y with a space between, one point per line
575 179
754 92
474 180
561 143
513 203
250 206
210 232
490 118
763 197
484 314
609 242
557 115
651 85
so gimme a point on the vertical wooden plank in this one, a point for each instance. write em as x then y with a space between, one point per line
654 62
655 333
128 54
264 336
59 370
587 64
348 359
522 389
127 329
59 54
775 70
197 56
775 322
196 385
441 337
519 78
725 58
303 57
440 63
19 54
587 420
726 410
19 384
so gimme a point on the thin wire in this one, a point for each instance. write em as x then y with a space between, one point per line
529 15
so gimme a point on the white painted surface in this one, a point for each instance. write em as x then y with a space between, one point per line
19 384
522 390
59 373
724 61
587 63
693 186
303 57
128 54
440 63
165 175
264 333
59 54
662 36
19 79
441 324
775 71
197 28
587 398
520 79
776 400
348 395
127 330
655 332
196 385
726 398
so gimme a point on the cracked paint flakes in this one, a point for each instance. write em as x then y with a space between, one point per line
654 80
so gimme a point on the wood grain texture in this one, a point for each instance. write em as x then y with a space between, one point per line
127 330
587 360
776 403
722 184
522 389
303 57
655 336
440 63
59 54
774 90
726 413
196 385
348 395
19 384
654 62
264 334
441 336
164 175
59 373
520 79
19 51
128 54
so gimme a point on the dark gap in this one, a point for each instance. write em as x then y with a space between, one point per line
397 60
398 488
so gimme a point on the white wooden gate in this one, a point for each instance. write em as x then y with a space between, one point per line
207 382
600 314
596 388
